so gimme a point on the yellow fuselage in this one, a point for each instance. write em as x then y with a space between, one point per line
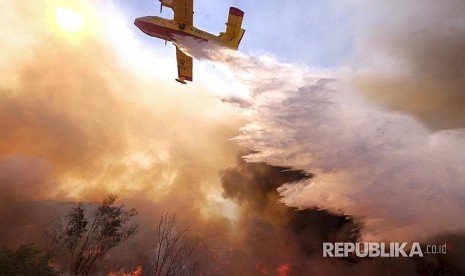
167 29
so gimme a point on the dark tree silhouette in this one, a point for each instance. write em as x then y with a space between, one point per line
87 240
25 261
173 250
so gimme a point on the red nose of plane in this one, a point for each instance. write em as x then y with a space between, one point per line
137 22
142 25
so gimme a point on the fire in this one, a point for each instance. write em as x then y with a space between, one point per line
136 272
283 269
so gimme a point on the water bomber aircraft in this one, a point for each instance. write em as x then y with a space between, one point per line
182 25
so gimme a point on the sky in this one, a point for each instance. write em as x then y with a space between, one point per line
315 33
335 121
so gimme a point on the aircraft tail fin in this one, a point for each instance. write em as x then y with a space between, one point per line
234 33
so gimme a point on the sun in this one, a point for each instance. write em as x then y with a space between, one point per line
69 20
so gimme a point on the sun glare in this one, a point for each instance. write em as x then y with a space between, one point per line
69 20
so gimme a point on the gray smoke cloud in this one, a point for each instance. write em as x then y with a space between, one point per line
409 57
275 239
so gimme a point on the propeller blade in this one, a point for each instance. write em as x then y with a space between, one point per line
161 6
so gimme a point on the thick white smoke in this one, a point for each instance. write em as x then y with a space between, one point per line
401 180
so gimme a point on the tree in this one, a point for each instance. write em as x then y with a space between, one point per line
173 250
25 261
87 240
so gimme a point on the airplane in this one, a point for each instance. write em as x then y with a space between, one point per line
182 25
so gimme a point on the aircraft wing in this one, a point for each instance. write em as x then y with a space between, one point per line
183 11
184 66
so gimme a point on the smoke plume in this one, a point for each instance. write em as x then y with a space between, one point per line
273 239
401 179
82 116
411 58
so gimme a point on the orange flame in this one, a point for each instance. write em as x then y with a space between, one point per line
136 272
283 269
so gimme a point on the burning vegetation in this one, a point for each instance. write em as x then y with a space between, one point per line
267 238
